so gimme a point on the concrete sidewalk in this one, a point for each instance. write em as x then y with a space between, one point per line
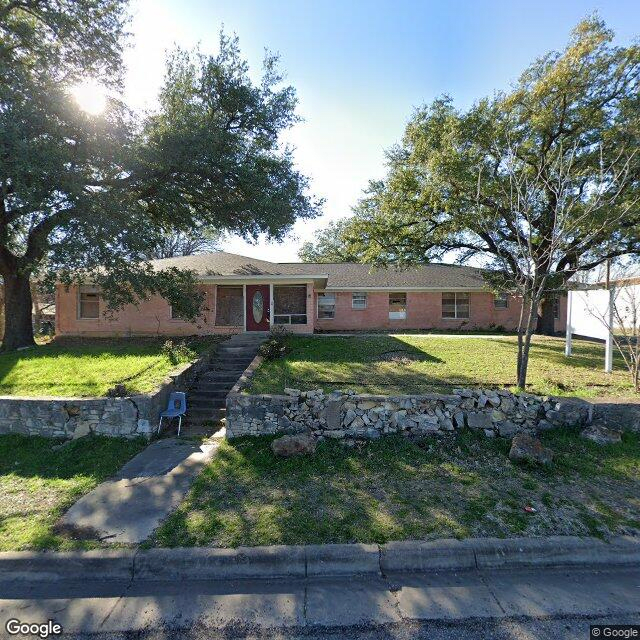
131 505
230 608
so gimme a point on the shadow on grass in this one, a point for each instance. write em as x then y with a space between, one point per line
40 479
95 457
86 366
457 486
375 364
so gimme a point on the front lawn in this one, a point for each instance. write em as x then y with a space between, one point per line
405 364
40 479
460 486
91 367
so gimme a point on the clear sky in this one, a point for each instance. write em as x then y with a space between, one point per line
360 67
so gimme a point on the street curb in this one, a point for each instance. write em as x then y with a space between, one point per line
107 564
553 551
204 563
342 559
430 555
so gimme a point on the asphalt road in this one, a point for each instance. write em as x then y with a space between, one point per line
514 605
565 628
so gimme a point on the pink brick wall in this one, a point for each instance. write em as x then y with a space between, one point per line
424 311
151 317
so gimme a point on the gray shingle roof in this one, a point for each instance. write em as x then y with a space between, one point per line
341 275
437 276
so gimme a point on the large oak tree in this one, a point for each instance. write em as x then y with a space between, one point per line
568 134
88 198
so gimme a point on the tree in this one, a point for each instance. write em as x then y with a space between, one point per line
524 190
578 108
185 243
330 244
90 198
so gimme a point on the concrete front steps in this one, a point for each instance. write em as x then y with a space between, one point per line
206 404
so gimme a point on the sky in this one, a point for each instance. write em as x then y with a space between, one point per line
360 68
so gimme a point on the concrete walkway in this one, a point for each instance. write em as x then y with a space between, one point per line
232 609
130 506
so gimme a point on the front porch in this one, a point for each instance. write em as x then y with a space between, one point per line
257 307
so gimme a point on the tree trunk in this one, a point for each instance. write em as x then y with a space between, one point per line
524 344
546 322
18 329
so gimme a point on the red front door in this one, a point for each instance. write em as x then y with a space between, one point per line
257 307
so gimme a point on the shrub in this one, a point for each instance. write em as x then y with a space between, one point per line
178 352
276 346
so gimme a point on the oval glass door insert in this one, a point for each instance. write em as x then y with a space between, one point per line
258 307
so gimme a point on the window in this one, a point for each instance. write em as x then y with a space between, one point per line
88 304
501 301
397 306
290 304
455 305
556 308
174 314
358 300
326 306
229 306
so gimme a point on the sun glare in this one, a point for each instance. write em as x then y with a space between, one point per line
90 97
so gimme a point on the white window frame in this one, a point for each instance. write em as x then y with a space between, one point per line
455 295
90 290
322 296
500 298
359 295
398 315
288 316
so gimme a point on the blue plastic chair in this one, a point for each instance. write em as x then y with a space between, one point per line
176 408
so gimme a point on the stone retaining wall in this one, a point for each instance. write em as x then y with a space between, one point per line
127 417
348 415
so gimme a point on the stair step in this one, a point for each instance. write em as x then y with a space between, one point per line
213 374
207 403
207 395
231 368
207 388
206 413
232 357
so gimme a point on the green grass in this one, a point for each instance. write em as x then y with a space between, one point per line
461 485
39 480
91 367
411 364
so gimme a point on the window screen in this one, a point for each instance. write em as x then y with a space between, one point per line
397 306
455 305
326 306
89 304
358 300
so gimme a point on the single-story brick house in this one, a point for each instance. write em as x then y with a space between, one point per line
245 294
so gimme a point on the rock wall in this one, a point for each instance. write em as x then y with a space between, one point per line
348 415
127 417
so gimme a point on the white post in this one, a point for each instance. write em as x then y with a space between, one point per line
608 353
568 345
